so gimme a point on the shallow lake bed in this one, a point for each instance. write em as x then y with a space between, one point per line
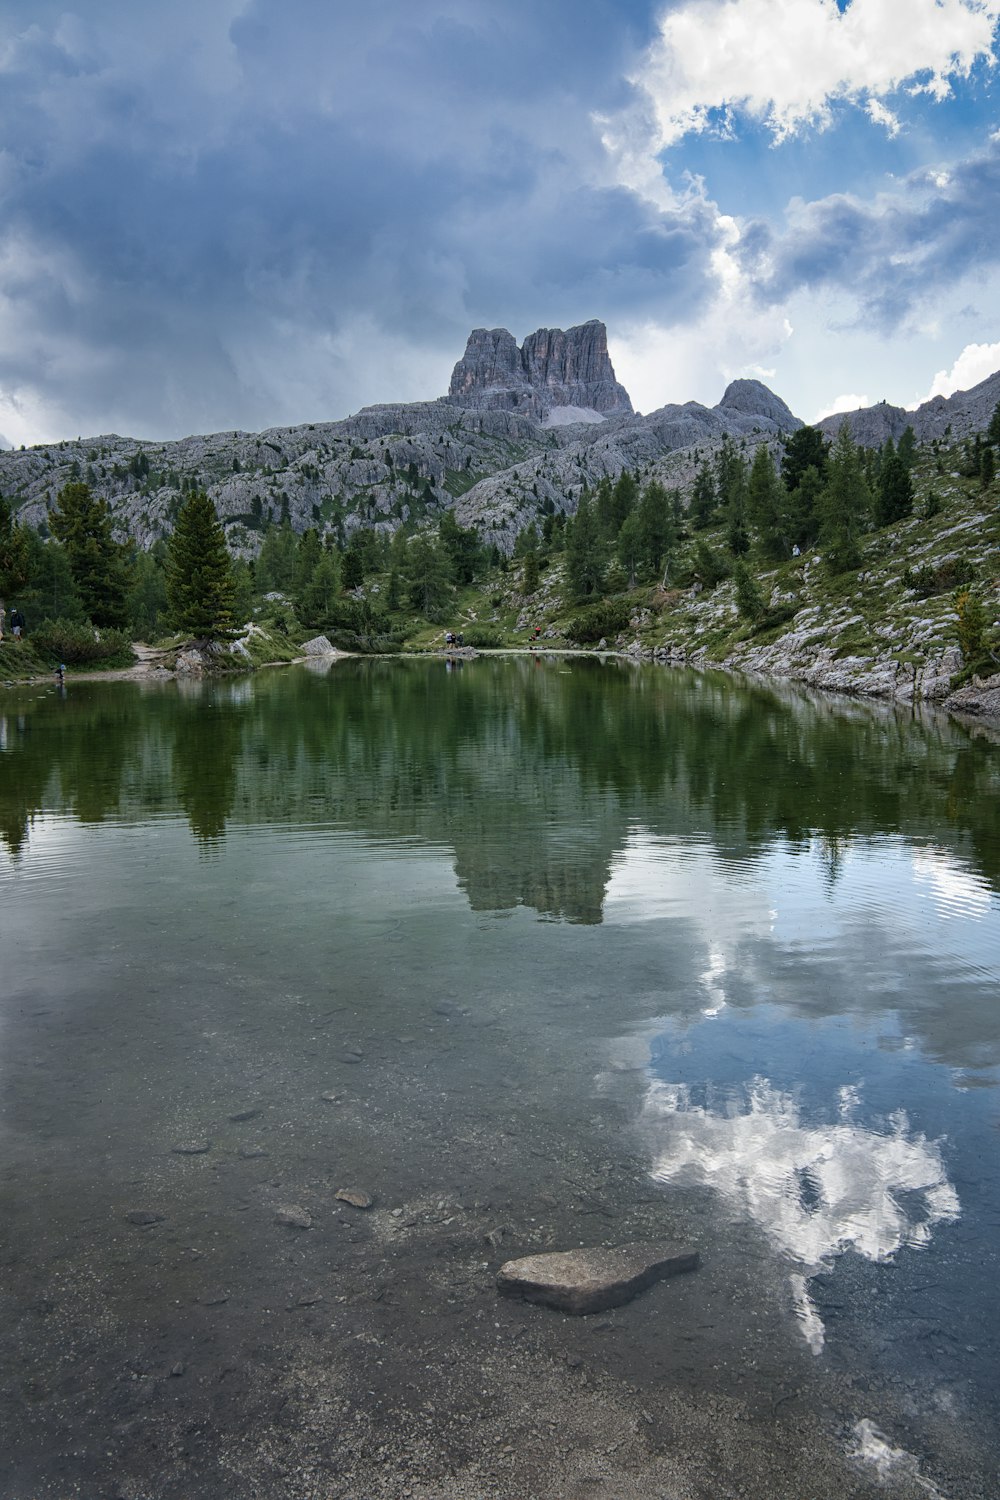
532 955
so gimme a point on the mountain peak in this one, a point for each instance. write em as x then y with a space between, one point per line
554 367
754 399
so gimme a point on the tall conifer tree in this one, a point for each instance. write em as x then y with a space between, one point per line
82 523
200 584
843 504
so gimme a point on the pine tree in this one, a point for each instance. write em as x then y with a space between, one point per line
993 430
765 506
82 523
750 599
529 572
307 557
805 449
428 578
14 555
894 496
843 504
628 548
987 467
200 585
584 564
803 520
623 500
276 560
318 600
703 498
907 449
462 548
656 524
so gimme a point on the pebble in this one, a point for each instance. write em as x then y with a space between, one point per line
249 1153
294 1216
331 1097
143 1217
244 1114
351 1055
191 1148
356 1197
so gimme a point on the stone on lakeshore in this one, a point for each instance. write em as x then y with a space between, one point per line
191 1148
244 1114
590 1280
318 646
143 1217
294 1216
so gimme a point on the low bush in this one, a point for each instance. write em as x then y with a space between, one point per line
482 637
928 580
76 645
599 621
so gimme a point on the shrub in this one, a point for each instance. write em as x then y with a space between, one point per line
600 620
482 637
948 575
77 644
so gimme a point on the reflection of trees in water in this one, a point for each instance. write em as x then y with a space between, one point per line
533 774
69 755
207 743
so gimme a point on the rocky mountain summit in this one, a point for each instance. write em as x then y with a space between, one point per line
568 369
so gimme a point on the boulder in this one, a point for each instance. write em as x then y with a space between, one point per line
590 1280
318 646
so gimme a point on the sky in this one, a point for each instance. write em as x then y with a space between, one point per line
243 213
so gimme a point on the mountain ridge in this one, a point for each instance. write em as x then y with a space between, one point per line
489 449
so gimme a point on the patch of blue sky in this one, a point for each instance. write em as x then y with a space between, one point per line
747 173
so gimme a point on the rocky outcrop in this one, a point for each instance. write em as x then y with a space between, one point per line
978 699
943 416
553 368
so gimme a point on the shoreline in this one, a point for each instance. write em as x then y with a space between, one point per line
976 702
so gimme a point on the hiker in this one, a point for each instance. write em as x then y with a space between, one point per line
16 622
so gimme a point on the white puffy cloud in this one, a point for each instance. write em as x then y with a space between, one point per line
847 402
974 364
785 62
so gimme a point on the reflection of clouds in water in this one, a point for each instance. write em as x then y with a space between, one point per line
873 1448
815 1189
956 891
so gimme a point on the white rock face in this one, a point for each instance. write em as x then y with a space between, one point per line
318 646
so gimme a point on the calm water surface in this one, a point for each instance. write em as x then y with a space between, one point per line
746 940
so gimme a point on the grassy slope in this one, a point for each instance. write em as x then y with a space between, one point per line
869 614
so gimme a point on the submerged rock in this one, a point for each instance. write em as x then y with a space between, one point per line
294 1216
144 1217
191 1148
589 1280
356 1197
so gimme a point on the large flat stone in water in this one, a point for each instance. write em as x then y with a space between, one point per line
590 1280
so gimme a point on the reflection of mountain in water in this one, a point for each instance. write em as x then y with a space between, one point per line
533 773
816 1190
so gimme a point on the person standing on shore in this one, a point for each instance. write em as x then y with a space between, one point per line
16 622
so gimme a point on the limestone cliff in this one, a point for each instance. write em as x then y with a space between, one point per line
553 368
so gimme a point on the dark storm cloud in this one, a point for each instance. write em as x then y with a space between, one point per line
211 214
890 253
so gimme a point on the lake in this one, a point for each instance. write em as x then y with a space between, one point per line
531 953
